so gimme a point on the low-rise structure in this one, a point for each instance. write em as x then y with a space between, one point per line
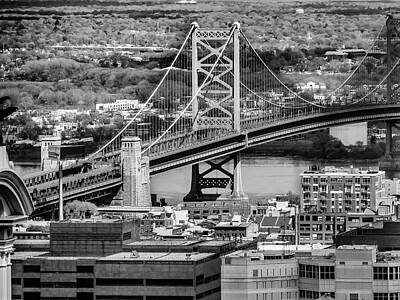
322 228
199 210
385 235
236 231
118 105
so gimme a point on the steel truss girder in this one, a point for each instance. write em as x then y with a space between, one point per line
200 181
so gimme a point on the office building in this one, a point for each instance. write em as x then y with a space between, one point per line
96 260
255 275
123 275
357 272
385 235
91 237
322 228
334 190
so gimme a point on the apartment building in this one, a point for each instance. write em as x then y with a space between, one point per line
334 190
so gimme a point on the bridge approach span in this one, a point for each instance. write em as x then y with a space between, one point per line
261 134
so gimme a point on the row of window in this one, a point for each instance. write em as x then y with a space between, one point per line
321 218
385 273
202 280
277 295
386 296
88 282
209 292
36 269
271 273
36 296
276 284
356 180
314 294
317 272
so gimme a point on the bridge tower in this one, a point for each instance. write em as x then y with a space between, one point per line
392 151
135 174
207 45
47 141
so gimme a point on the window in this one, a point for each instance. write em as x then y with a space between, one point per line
118 281
84 296
31 269
327 272
353 296
58 285
84 282
393 273
381 273
32 295
117 297
169 282
381 296
84 269
32 282
393 296
308 271
255 273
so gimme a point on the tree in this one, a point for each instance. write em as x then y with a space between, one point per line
79 209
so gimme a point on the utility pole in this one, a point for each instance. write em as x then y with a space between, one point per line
60 187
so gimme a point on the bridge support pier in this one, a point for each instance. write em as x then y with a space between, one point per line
135 174
391 161
231 180
389 141
237 191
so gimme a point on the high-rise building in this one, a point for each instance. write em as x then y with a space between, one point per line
334 190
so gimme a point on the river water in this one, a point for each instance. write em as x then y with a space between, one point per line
261 176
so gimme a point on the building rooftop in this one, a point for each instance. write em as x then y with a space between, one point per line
27 254
275 221
214 243
232 224
342 171
157 256
356 247
163 243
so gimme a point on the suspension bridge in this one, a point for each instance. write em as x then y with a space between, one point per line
217 98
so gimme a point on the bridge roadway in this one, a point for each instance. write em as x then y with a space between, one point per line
255 133
78 184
